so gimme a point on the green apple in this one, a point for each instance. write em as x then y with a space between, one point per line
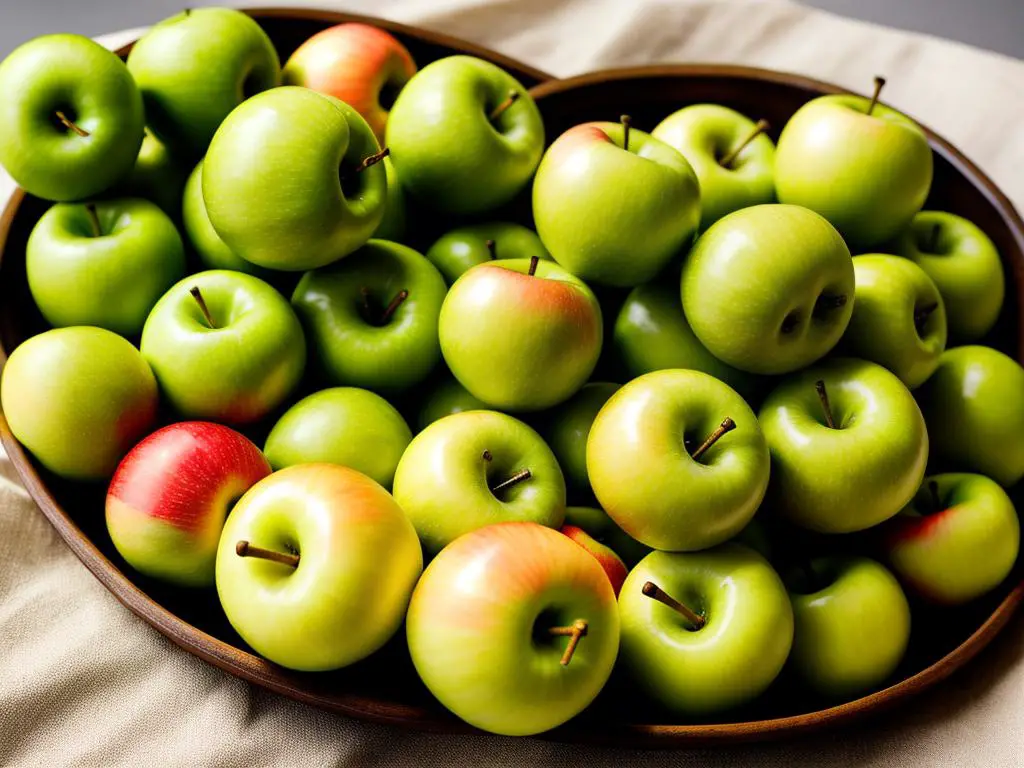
974 407
344 425
158 176
71 118
964 264
392 224
316 566
372 318
103 264
848 444
604 530
720 647
678 461
444 398
293 180
197 66
731 154
514 628
769 289
615 205
224 346
464 136
78 399
464 247
473 469
898 318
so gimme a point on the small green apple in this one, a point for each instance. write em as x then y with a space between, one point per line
464 247
158 176
444 398
566 428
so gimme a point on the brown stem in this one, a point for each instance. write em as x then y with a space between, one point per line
395 304
488 456
728 425
518 477
198 296
534 261
921 315
512 98
933 238
245 549
70 125
94 220
492 249
879 84
653 591
372 160
574 633
823 397
627 122
759 128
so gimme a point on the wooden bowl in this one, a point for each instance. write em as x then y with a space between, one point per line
384 689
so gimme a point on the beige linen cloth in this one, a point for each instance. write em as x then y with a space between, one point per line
84 682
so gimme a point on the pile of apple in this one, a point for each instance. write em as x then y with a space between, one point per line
226 252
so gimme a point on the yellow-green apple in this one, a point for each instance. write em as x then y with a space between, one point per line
392 224
472 469
848 444
604 530
464 247
445 397
738 318
513 627
78 399
956 540
521 334
613 565
614 205
104 264
293 180
964 264
363 66
71 117
347 426
169 497
195 67
677 459
566 428
464 136
372 319
158 175
703 632
315 567
731 154
224 346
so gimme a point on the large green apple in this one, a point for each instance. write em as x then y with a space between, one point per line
445 397
464 247
566 428
158 176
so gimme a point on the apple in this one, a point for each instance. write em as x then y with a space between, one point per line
225 347
677 459
104 264
848 444
464 247
964 264
78 399
974 407
392 224
615 205
464 136
315 567
71 118
613 565
344 425
513 627
159 176
197 66
361 65
731 154
720 648
566 427
956 540
444 398
521 334
898 318
169 496
472 469
293 180
596 523
769 289
372 319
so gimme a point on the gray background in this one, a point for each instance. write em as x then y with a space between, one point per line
994 24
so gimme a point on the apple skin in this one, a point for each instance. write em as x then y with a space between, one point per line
644 476
359 561
603 529
443 481
734 657
195 67
169 497
593 202
445 398
347 426
354 63
566 428
613 566
772 331
476 628
94 90
706 133
464 247
857 475
111 281
392 226
449 155
867 174
286 208
158 176
851 632
965 266
957 553
78 399
517 341
890 291
974 407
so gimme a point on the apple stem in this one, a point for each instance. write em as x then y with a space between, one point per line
372 160
819 385
933 238
534 261
727 425
198 296
574 633
512 98
627 122
933 490
488 456
879 84
70 125
492 249
245 549
653 591
94 220
921 315
759 128
518 477
396 302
